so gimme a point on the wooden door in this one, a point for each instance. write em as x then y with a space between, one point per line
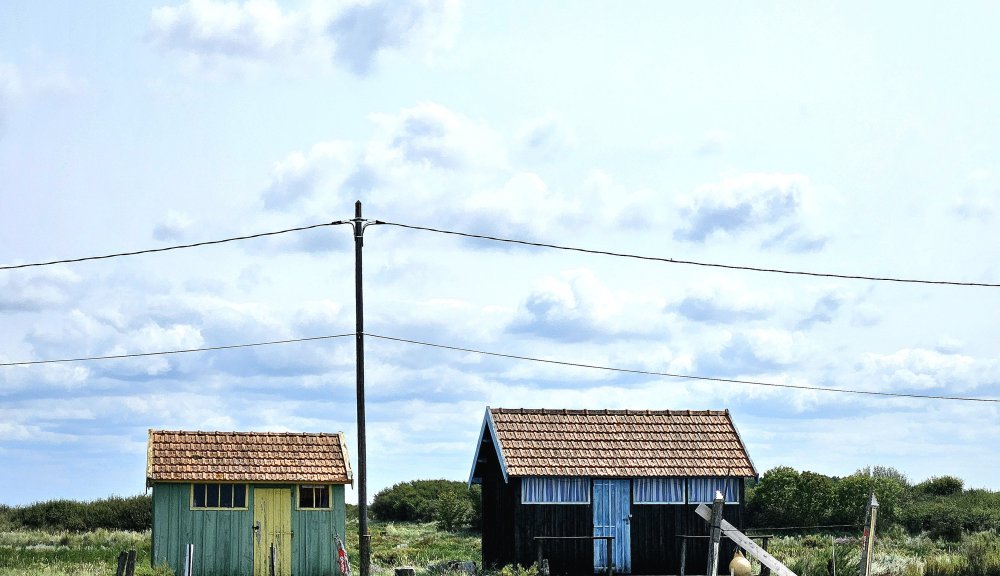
272 518
612 517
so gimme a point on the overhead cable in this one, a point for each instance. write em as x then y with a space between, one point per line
684 376
692 262
165 352
168 248
504 355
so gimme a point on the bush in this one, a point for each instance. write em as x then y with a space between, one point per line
983 555
940 486
421 501
452 510
115 513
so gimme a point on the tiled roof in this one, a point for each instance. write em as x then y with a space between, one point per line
181 456
620 443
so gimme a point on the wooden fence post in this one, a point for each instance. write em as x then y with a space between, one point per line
122 559
716 532
130 563
765 570
684 553
868 537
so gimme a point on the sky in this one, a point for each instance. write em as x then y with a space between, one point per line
849 138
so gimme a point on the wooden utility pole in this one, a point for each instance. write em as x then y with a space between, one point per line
364 538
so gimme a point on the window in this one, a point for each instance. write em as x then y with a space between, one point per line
658 490
702 490
535 490
223 496
314 497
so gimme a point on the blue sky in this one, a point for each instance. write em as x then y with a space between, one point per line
847 138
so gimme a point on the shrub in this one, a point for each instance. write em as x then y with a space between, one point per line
941 486
452 510
945 565
419 501
983 555
115 513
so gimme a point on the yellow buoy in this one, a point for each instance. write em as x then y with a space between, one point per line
739 566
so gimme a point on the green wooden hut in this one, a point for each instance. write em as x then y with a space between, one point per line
243 498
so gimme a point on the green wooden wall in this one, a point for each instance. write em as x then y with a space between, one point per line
223 539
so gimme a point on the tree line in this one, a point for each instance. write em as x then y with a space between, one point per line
940 507
782 498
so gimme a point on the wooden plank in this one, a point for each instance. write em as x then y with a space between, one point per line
747 544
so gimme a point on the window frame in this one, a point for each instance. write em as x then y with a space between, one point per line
313 487
581 479
683 484
724 490
219 485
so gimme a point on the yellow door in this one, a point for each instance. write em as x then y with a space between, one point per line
272 518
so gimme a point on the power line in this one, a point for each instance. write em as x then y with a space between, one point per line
684 376
168 248
165 352
692 262
510 356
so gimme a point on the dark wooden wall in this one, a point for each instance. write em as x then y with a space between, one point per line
656 548
509 529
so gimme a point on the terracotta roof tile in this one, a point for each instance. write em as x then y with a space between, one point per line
180 456
620 443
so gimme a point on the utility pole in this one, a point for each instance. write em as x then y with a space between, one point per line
364 538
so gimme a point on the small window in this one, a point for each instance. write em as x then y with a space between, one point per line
314 497
555 490
702 490
218 496
658 490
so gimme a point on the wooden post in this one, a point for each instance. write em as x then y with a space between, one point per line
684 553
122 559
611 561
764 569
716 534
130 563
868 537
189 560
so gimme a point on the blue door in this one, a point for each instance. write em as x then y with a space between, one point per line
612 512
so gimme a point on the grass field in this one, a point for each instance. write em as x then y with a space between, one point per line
35 553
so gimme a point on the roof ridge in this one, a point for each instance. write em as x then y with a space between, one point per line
608 411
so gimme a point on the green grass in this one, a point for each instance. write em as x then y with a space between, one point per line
38 553
419 545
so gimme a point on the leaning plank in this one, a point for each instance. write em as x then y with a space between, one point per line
746 543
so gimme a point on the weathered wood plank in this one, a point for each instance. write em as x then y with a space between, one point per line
746 543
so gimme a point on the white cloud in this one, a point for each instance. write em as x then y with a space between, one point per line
544 139
299 176
362 31
712 142
782 208
979 200
353 34
921 369
578 306
32 292
173 227
256 29
11 83
723 301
